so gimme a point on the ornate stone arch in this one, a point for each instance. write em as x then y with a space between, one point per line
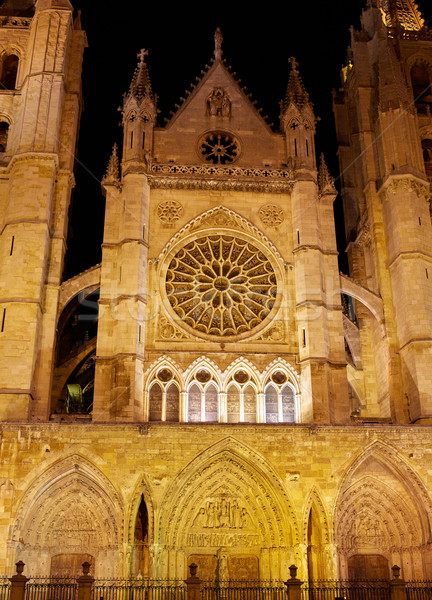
142 489
314 499
283 365
228 473
70 508
160 363
203 363
382 508
242 363
222 218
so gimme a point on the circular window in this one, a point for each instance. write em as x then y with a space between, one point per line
221 285
164 375
219 148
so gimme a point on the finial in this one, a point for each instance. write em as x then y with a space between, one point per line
325 181
218 37
294 63
112 176
142 55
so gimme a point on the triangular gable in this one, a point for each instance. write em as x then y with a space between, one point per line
218 104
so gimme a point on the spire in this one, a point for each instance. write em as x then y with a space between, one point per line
112 175
140 86
403 14
296 92
218 38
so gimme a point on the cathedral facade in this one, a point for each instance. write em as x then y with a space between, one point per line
215 390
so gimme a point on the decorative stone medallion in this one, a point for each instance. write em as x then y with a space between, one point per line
271 215
221 285
169 211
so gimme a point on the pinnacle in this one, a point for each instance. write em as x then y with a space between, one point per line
112 175
296 92
218 37
140 85
325 181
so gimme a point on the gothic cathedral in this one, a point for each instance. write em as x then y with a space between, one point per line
215 390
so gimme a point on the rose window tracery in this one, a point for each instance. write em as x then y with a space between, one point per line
221 285
219 148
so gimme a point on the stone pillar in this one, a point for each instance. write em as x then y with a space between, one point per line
18 583
193 584
85 583
293 585
397 585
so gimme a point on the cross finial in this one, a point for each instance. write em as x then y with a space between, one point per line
218 37
294 63
142 55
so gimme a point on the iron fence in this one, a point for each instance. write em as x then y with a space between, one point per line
51 589
419 590
138 589
4 588
344 590
243 590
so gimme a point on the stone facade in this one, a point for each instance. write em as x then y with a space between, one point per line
215 391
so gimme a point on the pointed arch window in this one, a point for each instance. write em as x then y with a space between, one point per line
427 156
164 397
4 132
279 399
203 398
9 72
241 398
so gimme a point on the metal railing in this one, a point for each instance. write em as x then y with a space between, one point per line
243 590
138 589
419 590
51 589
344 590
4 588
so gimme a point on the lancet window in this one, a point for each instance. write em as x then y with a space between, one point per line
164 397
241 399
203 398
207 396
279 399
9 72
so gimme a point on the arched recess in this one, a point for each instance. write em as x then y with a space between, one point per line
138 559
71 508
383 509
316 538
76 336
228 502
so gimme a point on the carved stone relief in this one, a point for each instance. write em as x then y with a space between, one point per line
218 103
271 215
169 211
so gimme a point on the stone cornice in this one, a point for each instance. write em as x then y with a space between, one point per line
220 178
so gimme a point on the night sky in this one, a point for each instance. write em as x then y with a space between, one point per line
180 40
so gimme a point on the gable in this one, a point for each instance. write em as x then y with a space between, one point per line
218 112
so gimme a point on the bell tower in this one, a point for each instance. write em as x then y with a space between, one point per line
121 330
383 119
40 105
318 310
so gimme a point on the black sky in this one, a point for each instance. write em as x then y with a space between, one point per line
179 37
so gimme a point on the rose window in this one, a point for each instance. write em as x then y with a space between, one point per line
221 285
219 148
